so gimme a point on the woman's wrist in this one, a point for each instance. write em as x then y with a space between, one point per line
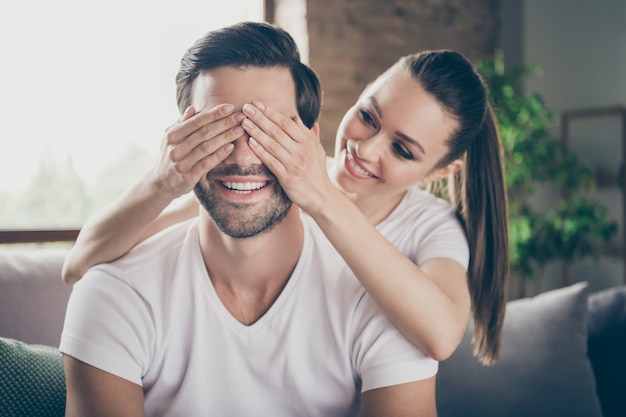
326 207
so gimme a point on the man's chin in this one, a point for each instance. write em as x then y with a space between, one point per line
244 227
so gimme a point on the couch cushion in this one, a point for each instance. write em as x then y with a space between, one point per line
543 368
607 348
33 296
32 382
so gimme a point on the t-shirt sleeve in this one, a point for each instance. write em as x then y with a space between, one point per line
382 356
443 237
108 325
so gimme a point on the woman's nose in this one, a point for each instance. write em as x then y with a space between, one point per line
369 149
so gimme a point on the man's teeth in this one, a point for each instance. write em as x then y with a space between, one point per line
244 187
357 168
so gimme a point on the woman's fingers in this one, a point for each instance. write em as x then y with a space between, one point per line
269 160
206 152
198 119
268 141
276 125
197 147
190 111
201 128
201 140
291 125
291 151
210 161
197 143
283 136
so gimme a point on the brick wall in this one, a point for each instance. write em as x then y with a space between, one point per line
350 42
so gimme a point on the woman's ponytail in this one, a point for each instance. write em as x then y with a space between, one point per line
482 205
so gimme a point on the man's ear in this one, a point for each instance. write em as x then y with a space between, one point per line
316 129
444 172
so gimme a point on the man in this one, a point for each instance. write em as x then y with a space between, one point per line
247 310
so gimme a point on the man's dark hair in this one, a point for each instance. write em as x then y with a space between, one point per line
253 44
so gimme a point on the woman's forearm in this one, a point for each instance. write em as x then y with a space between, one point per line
114 230
430 303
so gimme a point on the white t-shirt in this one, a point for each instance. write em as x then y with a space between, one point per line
154 318
423 226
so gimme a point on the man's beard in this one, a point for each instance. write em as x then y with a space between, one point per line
243 220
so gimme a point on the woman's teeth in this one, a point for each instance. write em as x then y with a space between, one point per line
243 187
355 167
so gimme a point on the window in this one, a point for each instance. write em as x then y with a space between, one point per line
87 90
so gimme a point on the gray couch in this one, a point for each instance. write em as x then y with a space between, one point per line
563 352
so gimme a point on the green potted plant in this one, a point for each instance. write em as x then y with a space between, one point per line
574 227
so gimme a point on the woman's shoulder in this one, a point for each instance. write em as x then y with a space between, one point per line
420 214
427 226
420 201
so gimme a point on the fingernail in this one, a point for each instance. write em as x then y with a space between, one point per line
248 109
239 117
227 109
228 148
260 105
248 124
238 130
253 142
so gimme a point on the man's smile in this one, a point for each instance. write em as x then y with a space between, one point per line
243 187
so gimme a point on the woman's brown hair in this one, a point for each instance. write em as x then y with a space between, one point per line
478 191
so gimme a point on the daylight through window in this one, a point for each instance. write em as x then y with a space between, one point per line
87 90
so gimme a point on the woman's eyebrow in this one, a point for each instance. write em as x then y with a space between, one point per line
376 106
411 141
401 135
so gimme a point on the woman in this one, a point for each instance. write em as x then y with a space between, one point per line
425 119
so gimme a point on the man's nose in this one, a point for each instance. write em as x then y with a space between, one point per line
242 154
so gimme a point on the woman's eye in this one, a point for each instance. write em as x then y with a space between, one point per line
401 151
367 118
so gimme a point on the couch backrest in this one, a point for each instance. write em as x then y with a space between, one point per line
543 369
33 296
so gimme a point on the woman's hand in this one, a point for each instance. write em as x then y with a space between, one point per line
193 146
293 153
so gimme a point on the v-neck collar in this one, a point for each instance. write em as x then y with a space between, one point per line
235 325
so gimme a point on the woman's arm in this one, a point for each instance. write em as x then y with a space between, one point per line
190 148
429 303
136 215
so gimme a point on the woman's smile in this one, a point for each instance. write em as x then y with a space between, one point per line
353 165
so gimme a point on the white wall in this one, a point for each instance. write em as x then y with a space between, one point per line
580 46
